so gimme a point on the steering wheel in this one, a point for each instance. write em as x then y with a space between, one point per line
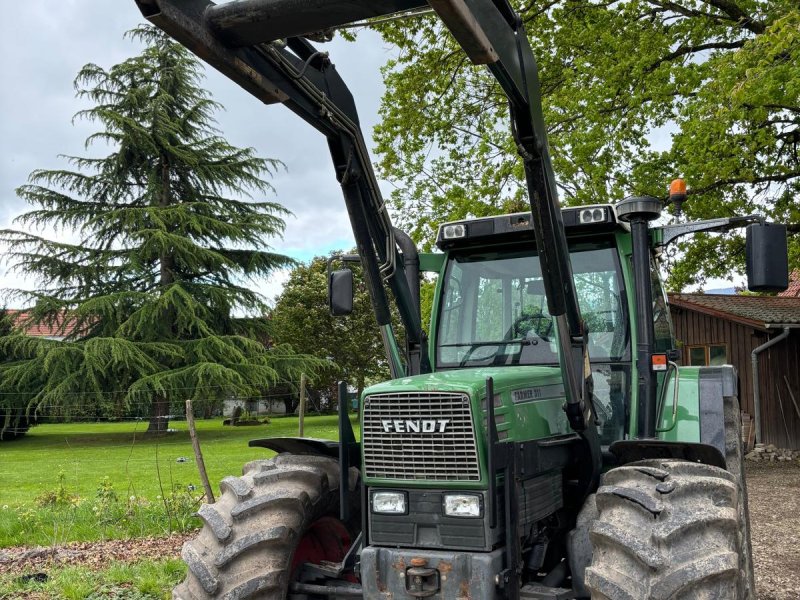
530 325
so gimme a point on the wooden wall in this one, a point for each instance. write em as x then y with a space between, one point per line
780 423
694 327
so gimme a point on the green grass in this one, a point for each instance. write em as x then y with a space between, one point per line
69 462
145 580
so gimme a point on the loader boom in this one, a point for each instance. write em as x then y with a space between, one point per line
244 41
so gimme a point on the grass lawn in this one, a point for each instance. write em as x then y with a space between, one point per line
141 471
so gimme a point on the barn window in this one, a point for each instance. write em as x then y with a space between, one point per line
708 355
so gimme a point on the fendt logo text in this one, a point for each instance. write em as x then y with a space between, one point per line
414 425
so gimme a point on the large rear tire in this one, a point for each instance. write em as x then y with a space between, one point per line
280 512
667 530
734 460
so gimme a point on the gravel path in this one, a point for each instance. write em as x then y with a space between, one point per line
774 494
774 491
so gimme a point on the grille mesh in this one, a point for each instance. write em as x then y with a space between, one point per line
450 455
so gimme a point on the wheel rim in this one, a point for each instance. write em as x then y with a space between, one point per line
326 539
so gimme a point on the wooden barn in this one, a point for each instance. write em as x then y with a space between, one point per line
717 329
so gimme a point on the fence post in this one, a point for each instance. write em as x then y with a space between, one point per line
198 455
302 407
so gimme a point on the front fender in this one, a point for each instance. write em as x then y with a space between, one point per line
309 446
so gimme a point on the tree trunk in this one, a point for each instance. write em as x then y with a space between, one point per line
159 417
291 403
159 421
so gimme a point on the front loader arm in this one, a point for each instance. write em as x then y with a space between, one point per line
491 33
247 40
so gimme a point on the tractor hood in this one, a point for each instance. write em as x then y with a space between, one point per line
507 380
528 405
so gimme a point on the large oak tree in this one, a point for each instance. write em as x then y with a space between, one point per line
635 93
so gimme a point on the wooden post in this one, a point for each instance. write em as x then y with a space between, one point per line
791 395
302 407
198 455
783 415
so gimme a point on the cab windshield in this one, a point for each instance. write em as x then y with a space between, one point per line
494 311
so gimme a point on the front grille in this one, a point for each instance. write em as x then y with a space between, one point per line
449 455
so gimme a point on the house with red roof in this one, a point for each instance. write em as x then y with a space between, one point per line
57 329
760 336
793 291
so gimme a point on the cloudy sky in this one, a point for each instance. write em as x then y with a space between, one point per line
43 44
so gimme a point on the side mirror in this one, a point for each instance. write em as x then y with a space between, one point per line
535 287
340 292
767 258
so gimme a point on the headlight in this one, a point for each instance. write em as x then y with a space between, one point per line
389 503
458 230
462 505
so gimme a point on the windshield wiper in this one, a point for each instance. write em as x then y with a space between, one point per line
473 346
523 341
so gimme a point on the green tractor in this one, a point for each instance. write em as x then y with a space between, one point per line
542 443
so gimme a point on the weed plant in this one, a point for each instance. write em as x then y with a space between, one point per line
61 516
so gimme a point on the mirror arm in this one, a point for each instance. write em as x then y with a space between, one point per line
353 258
669 233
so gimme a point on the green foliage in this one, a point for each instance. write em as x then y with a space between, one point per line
722 76
13 419
60 497
60 516
351 344
427 290
170 237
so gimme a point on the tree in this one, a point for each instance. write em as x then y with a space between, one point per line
14 422
352 344
168 241
618 78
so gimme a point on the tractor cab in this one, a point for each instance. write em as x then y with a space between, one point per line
491 307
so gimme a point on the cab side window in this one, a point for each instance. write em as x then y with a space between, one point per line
662 322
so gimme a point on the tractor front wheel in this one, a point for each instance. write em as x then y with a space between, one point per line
667 529
280 513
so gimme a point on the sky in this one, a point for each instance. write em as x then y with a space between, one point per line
44 43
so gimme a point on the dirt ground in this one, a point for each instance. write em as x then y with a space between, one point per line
774 494
774 491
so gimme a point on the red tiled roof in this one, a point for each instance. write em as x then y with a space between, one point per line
759 311
56 329
793 291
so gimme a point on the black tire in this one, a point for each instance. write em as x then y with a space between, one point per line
249 536
667 530
734 460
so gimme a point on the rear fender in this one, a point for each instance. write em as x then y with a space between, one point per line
691 424
628 451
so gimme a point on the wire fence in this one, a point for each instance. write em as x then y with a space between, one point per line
109 406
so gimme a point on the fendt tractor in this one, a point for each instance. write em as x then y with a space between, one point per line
543 441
